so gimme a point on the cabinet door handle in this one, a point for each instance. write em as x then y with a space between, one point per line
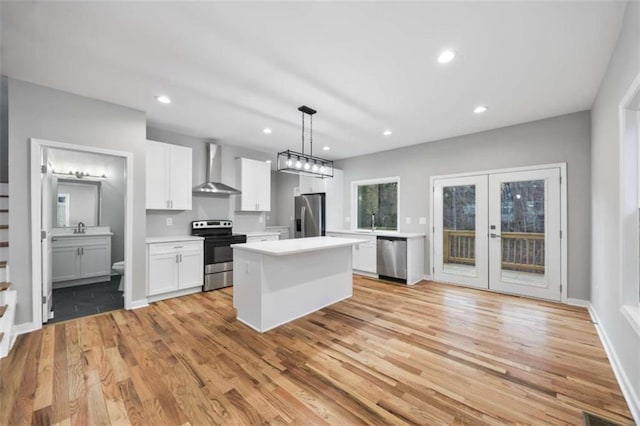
180 257
82 251
78 251
177 259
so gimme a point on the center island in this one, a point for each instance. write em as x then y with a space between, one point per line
275 282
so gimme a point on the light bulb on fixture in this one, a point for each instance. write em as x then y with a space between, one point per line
298 164
315 167
307 166
289 162
322 169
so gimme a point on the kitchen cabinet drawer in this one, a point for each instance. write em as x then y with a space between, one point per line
258 238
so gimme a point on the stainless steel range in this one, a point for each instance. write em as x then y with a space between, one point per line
218 254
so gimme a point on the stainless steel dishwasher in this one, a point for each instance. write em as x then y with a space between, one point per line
392 258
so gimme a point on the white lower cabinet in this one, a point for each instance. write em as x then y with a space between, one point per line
174 266
364 255
81 258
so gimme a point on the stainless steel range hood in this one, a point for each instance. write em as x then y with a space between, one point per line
213 186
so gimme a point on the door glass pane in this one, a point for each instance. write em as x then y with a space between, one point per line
459 229
522 232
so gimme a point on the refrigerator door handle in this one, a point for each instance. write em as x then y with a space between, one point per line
303 219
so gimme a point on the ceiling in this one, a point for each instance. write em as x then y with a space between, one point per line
232 69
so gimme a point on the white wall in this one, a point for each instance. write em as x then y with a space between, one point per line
605 165
45 113
553 140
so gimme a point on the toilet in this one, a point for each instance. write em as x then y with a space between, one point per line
118 268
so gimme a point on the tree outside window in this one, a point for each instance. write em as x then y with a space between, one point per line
381 201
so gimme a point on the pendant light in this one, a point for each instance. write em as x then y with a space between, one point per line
301 163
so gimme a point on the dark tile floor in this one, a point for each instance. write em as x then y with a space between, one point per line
80 301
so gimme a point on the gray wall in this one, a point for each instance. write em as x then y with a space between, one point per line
41 112
205 207
4 130
605 166
559 139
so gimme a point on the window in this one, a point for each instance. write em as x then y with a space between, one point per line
630 196
376 203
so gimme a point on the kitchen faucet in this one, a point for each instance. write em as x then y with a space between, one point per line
80 229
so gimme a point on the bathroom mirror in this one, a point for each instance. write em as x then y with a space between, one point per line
76 201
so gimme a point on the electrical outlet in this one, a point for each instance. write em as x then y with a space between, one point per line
422 221
260 219
408 220
169 221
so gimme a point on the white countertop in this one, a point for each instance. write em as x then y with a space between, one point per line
259 233
173 239
380 233
295 246
97 231
276 227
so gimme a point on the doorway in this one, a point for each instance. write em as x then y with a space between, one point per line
501 231
81 219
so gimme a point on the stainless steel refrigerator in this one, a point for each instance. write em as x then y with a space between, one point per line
310 215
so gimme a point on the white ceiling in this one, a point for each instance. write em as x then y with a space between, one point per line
232 69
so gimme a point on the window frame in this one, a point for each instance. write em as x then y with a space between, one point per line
354 199
629 207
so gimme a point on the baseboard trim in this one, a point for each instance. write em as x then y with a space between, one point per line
633 400
578 302
137 304
25 327
427 277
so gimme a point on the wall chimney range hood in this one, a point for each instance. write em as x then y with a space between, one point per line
213 186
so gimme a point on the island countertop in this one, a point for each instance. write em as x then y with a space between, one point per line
295 246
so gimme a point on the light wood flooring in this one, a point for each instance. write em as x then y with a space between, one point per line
427 354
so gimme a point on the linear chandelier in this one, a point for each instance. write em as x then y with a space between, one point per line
305 164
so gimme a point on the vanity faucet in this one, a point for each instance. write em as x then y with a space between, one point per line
81 228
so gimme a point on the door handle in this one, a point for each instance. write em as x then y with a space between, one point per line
492 235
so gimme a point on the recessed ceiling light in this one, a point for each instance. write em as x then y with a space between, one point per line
268 161
326 148
446 56
266 131
387 132
163 99
480 109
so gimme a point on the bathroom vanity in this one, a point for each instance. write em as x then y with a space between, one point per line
80 258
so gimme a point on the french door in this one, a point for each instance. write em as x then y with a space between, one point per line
460 239
500 231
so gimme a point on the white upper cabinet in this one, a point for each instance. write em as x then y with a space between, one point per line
169 176
254 178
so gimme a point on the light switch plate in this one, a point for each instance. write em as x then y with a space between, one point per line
260 219
408 220
422 221
169 221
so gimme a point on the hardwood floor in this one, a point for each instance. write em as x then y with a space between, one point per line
427 354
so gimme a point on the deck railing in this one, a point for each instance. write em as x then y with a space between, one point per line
521 251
